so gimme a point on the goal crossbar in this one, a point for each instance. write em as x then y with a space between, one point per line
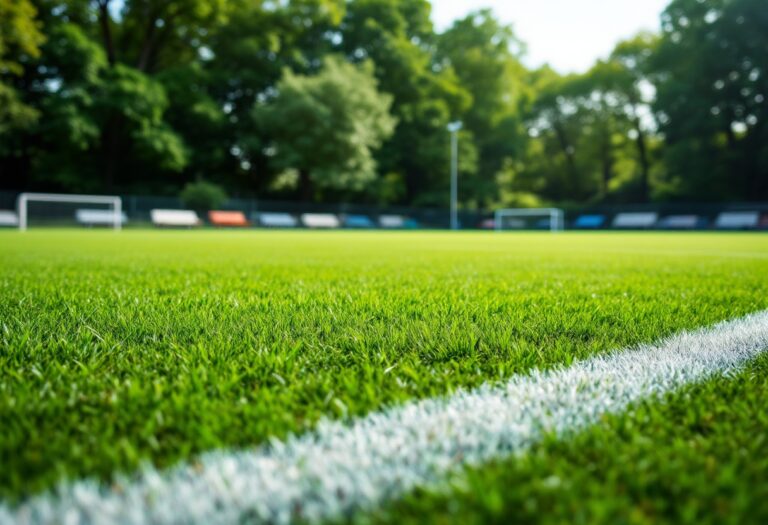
22 204
556 216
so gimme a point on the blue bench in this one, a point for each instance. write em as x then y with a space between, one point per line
585 222
358 221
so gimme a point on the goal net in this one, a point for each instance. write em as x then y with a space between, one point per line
54 209
552 219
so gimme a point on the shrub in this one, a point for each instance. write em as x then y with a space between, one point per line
203 196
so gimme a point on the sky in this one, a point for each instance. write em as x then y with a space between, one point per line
569 35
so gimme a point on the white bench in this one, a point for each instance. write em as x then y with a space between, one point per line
91 217
8 218
320 220
175 218
635 220
737 220
392 221
277 220
680 222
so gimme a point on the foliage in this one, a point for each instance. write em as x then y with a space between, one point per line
397 37
147 95
20 35
326 126
203 196
712 81
20 41
14 114
485 55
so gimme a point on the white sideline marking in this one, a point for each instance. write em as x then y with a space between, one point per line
343 467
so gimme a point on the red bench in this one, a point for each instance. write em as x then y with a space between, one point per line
228 219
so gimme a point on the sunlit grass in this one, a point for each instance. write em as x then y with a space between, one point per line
699 457
153 346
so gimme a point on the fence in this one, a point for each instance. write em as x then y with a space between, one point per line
138 207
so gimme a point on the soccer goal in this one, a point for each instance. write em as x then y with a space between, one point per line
552 219
56 209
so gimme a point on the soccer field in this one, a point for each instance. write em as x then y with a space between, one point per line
144 351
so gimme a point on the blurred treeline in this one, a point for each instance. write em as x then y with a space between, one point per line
332 100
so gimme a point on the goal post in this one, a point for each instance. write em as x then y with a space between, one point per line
554 217
114 217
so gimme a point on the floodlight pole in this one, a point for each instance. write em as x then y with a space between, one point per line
454 128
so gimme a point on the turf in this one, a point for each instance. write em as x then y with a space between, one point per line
699 457
153 346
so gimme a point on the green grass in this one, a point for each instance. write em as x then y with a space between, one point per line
699 457
154 346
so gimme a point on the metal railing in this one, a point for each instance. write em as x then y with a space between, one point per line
138 207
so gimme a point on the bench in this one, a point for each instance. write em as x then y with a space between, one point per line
320 220
8 218
589 222
681 222
358 221
175 218
392 221
91 217
487 224
737 220
276 220
232 219
635 220
514 223
544 223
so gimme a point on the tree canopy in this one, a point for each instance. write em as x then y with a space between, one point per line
325 126
329 100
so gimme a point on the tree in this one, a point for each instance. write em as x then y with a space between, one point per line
553 121
326 126
485 55
247 58
200 121
397 35
203 196
712 79
594 128
20 41
95 115
20 35
627 76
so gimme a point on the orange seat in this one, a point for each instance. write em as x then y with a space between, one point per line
228 218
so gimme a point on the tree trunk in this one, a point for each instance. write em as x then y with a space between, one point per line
148 47
106 32
109 146
645 164
734 157
109 129
305 185
755 181
570 160
607 165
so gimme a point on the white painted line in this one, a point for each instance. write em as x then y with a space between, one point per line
340 468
